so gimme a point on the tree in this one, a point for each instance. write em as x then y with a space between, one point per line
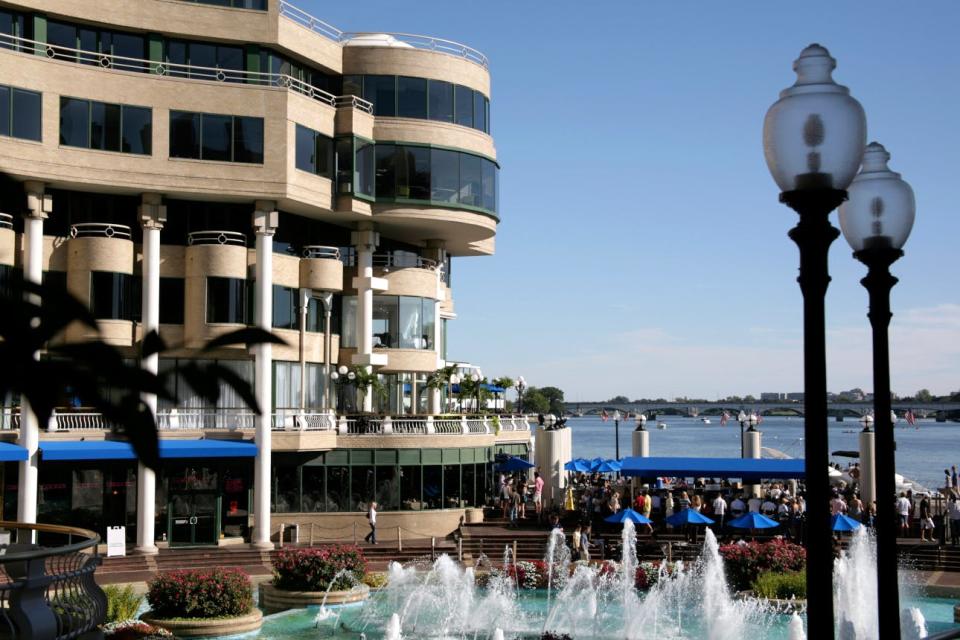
535 402
368 382
619 400
924 395
554 398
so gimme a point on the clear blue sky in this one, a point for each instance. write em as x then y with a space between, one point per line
642 249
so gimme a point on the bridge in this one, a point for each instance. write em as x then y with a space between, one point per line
942 411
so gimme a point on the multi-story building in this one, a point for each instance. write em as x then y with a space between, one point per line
194 167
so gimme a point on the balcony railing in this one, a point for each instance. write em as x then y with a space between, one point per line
99 230
47 589
176 70
6 221
315 251
394 261
232 238
316 25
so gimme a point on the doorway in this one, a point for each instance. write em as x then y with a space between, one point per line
193 518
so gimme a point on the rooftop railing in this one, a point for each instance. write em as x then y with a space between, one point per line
176 70
315 251
316 25
99 230
232 238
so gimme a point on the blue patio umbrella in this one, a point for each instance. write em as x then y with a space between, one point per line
606 466
579 465
841 522
688 516
628 514
515 464
754 521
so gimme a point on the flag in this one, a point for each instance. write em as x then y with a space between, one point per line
911 419
724 418
604 416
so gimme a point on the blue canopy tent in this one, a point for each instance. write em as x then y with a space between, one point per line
754 521
688 516
841 522
628 514
578 465
514 463
121 450
743 468
606 466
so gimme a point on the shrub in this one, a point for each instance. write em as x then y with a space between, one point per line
122 604
314 569
134 630
215 593
526 575
744 562
375 580
782 586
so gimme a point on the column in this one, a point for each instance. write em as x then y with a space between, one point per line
641 449
435 251
365 241
39 204
868 474
153 214
264 225
751 449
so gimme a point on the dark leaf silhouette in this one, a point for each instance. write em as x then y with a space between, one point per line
152 344
248 336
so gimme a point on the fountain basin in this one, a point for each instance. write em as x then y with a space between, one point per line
273 599
208 627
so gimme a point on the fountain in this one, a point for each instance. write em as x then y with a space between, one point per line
393 629
557 560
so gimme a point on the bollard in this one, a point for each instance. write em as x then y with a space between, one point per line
399 540
433 549
311 534
281 535
354 533
460 549
514 552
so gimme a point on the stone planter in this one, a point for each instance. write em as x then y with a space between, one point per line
474 516
206 627
273 600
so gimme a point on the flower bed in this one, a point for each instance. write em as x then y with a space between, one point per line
332 574
745 562
534 575
200 603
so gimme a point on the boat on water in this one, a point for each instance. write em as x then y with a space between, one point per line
661 425
705 420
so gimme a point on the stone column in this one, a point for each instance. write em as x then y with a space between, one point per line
39 204
153 215
365 241
868 474
641 448
264 225
751 449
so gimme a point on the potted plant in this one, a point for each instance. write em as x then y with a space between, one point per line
200 603
331 574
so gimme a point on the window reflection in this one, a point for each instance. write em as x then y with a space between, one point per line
441 101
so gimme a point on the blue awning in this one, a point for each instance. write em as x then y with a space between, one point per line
12 452
119 450
745 469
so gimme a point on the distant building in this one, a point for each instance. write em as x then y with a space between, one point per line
796 396
770 396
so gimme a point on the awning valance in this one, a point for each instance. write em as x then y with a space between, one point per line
743 468
119 450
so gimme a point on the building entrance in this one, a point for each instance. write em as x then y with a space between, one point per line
194 518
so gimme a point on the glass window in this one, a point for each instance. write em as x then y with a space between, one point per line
464 105
177 55
386 311
129 45
285 308
444 175
306 151
413 173
226 300
433 486
411 323
411 97
111 295
382 92
4 109
348 323
137 132
344 160
171 300
429 322
74 122
468 486
441 101
353 86
470 180
364 179
203 55
410 498
105 126
479 111
489 177
248 139
216 134
338 488
184 134
388 488
324 156
314 489
287 478
451 486
61 34
230 58
386 186
26 107
362 487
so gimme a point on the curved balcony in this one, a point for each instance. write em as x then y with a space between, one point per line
47 583
222 238
100 230
6 221
321 268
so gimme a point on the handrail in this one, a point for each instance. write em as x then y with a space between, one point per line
234 238
6 221
402 262
428 43
449 47
316 251
99 230
353 102
92 540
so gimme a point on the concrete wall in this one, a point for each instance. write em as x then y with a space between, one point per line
340 526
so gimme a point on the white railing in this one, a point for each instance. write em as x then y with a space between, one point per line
316 251
478 425
363 426
234 238
6 221
99 230
176 70
448 426
409 425
303 420
402 261
316 25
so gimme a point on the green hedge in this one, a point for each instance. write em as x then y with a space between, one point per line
782 586
200 593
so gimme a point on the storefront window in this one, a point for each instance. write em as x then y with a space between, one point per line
287 489
338 488
410 497
433 486
314 497
468 485
451 486
362 487
388 488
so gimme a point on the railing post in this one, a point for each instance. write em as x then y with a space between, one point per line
386 425
354 532
460 549
281 535
53 424
431 427
399 539
433 548
464 427
28 605
342 425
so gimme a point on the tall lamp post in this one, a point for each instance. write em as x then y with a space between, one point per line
876 222
336 376
616 431
746 421
813 140
521 385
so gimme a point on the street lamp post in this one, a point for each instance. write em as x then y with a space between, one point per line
476 387
521 385
616 431
750 422
813 139
336 377
876 222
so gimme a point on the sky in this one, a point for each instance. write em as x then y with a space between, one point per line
642 250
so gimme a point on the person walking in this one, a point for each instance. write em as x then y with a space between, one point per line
953 477
926 521
903 508
372 519
719 510
954 514
575 543
585 544
538 493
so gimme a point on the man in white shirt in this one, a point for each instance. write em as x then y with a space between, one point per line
954 514
903 508
372 518
738 507
719 510
753 504
769 507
